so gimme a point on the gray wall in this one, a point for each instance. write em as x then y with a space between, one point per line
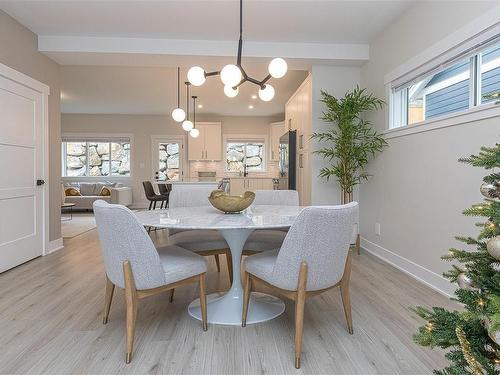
142 127
419 190
18 50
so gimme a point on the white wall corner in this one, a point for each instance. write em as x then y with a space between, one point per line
53 246
422 274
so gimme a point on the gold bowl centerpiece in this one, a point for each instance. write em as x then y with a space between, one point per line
231 204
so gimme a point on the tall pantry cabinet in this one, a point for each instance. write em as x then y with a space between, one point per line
298 116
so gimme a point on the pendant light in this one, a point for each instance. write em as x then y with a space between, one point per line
178 114
194 132
233 75
187 125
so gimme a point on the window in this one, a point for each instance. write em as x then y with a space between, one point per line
452 88
94 158
245 152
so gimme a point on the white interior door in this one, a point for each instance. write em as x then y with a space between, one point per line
21 164
168 158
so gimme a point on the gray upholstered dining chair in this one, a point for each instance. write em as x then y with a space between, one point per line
203 242
133 263
270 239
314 257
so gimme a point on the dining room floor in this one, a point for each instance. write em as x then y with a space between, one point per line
51 323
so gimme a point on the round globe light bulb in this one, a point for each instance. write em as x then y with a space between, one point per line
277 67
267 94
187 125
196 76
230 75
178 114
230 92
194 133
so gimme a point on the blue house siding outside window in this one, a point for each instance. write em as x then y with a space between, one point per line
490 79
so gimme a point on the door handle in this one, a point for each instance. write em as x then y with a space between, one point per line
40 182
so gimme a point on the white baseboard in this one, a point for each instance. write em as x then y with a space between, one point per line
422 274
54 246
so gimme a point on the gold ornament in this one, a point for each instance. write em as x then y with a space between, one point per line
493 247
464 282
474 365
490 190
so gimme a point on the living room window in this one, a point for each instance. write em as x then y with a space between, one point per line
95 157
461 83
245 152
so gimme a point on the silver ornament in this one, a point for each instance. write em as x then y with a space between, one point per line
464 282
490 190
493 247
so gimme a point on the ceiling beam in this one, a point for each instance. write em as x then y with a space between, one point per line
177 47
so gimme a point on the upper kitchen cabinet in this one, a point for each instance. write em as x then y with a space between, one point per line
208 145
298 116
277 129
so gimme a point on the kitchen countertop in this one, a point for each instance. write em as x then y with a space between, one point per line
262 177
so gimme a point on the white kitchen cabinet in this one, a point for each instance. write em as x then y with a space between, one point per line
208 145
240 185
277 129
298 116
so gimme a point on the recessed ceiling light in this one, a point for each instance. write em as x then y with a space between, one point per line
250 107
200 105
254 96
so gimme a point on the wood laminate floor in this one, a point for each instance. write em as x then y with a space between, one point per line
51 323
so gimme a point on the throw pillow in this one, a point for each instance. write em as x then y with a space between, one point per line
105 192
71 191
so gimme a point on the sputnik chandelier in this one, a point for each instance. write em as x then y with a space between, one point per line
233 76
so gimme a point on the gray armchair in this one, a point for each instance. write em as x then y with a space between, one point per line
133 263
270 239
314 257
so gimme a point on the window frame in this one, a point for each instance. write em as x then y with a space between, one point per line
246 138
98 138
464 43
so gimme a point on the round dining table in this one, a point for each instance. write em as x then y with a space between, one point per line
226 308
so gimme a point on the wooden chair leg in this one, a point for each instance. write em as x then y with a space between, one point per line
229 262
131 300
344 292
161 205
203 302
358 244
150 205
246 298
154 205
299 312
171 298
217 262
108 297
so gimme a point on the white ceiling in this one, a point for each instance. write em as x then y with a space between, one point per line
151 90
310 21
118 56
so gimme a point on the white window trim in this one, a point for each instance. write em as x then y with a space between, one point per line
480 112
184 166
460 40
246 138
104 136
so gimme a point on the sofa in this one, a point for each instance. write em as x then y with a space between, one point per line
88 193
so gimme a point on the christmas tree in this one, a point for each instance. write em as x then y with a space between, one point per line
472 335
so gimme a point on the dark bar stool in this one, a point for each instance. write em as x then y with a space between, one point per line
151 196
165 190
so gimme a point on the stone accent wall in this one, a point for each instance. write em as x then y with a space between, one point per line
237 153
101 160
169 162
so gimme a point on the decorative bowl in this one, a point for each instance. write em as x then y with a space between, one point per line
231 204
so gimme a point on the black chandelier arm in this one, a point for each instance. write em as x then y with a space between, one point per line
208 74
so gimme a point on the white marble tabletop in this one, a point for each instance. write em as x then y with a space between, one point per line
254 217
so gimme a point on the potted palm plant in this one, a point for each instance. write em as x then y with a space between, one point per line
350 142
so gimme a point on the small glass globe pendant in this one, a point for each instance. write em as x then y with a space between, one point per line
230 92
194 133
187 125
230 75
277 67
178 115
196 76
